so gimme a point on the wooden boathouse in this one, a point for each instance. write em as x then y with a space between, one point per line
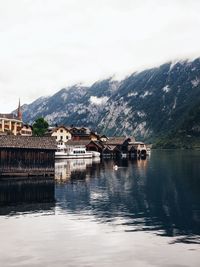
27 156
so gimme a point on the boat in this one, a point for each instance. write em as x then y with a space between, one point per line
72 152
95 154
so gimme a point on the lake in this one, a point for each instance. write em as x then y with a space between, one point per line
143 213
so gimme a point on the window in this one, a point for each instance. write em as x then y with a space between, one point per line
61 130
61 138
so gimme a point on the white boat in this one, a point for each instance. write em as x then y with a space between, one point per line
72 152
95 154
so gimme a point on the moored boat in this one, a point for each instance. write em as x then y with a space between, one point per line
72 152
95 154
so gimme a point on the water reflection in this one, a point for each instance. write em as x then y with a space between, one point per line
66 169
19 196
160 194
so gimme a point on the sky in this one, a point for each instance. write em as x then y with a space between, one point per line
46 45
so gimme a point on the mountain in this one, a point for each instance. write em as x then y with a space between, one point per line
149 104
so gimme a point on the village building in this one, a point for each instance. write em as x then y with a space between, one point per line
80 133
12 124
26 130
61 133
140 148
25 155
64 133
121 147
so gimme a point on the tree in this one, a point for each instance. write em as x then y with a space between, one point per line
40 126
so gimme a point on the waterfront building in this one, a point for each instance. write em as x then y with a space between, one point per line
27 155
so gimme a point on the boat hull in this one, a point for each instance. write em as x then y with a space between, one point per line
68 156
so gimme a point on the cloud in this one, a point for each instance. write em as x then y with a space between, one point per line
98 100
46 45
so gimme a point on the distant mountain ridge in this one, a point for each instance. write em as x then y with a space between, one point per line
147 105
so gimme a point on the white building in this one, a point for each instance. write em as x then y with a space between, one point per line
61 133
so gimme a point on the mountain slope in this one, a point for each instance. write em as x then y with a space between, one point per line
148 104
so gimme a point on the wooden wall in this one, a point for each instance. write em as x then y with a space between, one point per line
25 160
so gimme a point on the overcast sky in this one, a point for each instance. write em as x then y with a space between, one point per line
46 45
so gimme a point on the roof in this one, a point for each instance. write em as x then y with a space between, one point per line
98 143
27 126
138 143
10 116
103 136
78 143
118 140
54 129
27 142
80 130
109 147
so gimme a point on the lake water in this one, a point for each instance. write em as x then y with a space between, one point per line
145 213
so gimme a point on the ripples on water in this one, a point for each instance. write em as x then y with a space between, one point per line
149 201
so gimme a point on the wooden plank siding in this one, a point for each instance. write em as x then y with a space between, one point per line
27 155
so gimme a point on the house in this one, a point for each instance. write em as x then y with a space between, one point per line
95 146
119 146
61 133
140 148
64 133
80 133
26 130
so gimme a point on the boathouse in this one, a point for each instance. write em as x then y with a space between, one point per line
27 156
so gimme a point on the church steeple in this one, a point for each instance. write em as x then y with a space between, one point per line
19 112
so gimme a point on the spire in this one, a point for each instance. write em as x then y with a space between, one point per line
19 112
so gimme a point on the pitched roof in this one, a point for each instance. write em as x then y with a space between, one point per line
28 142
54 129
78 143
118 140
109 147
98 143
